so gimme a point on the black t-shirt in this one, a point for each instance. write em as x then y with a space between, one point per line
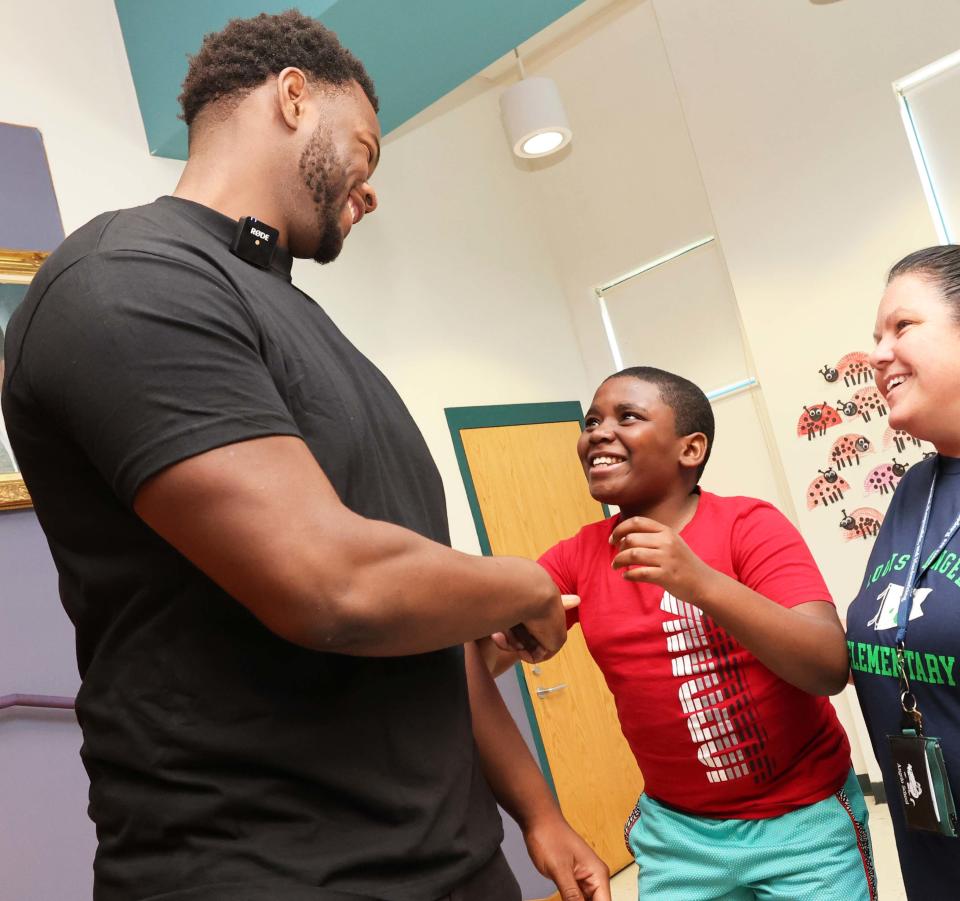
930 863
224 761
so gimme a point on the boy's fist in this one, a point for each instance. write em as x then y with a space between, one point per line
648 551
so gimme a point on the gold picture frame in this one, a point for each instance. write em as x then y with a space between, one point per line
17 267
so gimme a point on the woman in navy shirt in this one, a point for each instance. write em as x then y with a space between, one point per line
916 361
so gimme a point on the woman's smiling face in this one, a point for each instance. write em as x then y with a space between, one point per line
916 360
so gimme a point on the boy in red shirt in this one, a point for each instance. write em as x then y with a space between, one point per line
718 639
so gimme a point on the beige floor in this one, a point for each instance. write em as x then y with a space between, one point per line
624 884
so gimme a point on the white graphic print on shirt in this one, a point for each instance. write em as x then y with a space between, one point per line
711 683
886 615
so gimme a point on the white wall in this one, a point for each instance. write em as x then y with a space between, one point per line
627 191
628 188
72 81
813 189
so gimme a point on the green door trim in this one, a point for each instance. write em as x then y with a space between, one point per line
491 417
494 416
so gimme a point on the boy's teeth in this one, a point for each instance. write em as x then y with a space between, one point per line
604 461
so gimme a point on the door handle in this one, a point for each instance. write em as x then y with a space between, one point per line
543 692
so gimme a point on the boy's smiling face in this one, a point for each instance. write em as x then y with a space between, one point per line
629 448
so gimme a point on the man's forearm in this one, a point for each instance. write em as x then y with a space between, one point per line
396 593
261 519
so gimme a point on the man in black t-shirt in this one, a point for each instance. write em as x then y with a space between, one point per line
251 534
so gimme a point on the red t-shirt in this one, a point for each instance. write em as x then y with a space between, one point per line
714 731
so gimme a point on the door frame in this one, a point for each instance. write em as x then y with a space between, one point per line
497 416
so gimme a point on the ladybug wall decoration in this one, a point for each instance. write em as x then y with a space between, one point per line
827 488
899 438
847 449
853 368
885 477
864 522
865 403
816 419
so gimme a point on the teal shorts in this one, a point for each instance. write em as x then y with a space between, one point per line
820 852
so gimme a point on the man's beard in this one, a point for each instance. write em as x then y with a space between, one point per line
319 166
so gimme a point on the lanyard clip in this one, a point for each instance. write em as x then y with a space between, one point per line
912 717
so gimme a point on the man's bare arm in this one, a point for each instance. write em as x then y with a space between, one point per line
261 519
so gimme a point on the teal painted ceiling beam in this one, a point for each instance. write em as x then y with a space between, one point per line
415 50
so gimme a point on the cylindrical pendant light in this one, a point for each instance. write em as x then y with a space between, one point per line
533 116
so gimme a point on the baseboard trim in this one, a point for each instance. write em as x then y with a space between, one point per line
872 788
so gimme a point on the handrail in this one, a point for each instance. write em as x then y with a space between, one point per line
57 702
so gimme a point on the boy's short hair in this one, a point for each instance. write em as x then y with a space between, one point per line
691 408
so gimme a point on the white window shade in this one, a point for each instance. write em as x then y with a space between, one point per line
931 102
682 317
679 313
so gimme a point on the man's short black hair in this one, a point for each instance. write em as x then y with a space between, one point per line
691 408
246 52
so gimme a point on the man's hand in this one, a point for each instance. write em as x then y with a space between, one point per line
561 855
524 639
651 552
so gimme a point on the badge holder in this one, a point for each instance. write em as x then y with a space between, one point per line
920 768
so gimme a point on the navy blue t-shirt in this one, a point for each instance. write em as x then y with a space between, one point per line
930 863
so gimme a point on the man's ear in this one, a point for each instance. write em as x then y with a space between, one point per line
292 92
693 449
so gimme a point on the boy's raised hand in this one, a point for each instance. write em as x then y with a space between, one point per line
648 551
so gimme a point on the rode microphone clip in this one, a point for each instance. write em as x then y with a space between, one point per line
255 242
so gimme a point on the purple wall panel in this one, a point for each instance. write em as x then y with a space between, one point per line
514 848
29 215
47 841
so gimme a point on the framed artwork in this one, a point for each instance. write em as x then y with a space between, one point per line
17 268
30 228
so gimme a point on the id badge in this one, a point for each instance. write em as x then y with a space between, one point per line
924 784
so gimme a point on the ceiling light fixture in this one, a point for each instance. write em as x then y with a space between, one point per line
533 116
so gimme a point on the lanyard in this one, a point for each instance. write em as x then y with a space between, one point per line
908 700
916 571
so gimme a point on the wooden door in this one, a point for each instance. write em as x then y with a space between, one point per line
529 492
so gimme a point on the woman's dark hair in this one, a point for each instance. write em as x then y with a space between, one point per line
246 52
691 408
940 265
